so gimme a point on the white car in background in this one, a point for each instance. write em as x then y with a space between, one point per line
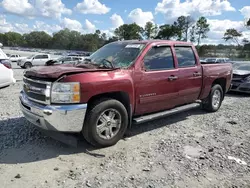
34 60
6 73
15 58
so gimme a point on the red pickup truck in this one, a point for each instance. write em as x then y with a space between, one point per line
121 83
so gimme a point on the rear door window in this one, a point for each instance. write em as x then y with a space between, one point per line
45 56
185 56
159 58
38 57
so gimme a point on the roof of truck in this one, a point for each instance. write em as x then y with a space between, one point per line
154 41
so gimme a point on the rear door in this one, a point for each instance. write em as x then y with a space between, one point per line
37 60
190 74
44 59
156 89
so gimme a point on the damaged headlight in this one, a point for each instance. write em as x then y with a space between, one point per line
65 92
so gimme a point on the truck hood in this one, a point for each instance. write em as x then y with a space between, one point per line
58 71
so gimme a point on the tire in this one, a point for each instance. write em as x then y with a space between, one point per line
27 65
213 102
102 108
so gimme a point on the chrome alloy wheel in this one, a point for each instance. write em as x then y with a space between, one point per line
216 99
108 124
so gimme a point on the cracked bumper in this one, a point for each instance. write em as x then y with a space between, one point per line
240 87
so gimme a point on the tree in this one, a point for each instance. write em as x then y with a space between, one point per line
61 39
150 30
12 39
184 23
202 28
37 39
192 34
128 32
167 32
232 34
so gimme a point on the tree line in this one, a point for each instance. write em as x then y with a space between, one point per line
185 28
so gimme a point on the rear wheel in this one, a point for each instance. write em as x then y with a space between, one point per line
27 65
213 102
105 123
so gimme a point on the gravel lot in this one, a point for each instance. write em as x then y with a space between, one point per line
191 149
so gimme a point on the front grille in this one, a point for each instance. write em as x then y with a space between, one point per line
37 90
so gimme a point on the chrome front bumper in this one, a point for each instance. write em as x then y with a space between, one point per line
62 118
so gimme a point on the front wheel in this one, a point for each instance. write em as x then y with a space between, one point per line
213 102
105 123
27 65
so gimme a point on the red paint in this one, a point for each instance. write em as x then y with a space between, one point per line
148 91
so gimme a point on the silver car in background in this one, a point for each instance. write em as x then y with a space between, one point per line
241 77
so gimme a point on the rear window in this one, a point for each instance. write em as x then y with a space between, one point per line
185 56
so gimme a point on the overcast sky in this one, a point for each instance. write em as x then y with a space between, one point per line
88 15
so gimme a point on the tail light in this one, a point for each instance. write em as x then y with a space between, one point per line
7 64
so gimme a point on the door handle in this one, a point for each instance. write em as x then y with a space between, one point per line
172 78
196 74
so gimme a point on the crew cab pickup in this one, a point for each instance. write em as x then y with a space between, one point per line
34 60
122 83
15 58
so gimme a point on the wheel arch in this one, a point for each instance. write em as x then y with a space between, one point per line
121 96
222 82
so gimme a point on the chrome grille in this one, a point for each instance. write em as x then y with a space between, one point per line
37 90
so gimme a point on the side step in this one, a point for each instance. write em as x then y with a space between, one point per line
150 117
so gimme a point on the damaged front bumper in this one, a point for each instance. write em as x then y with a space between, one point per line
62 118
243 87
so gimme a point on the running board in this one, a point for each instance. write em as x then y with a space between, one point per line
150 117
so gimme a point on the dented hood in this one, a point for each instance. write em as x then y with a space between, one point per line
58 71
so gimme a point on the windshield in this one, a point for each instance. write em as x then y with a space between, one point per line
118 54
240 66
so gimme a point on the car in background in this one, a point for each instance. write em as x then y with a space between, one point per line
64 60
241 77
15 57
34 60
6 73
215 60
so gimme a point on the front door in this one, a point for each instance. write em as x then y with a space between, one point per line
190 74
156 87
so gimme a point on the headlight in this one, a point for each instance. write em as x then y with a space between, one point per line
65 92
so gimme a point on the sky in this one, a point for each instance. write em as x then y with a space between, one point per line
86 16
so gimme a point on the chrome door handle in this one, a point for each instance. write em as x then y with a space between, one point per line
172 78
196 74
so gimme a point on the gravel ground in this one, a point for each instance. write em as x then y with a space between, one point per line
191 149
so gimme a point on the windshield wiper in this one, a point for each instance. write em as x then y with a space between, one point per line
112 65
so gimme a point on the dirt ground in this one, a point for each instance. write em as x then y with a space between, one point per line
191 149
